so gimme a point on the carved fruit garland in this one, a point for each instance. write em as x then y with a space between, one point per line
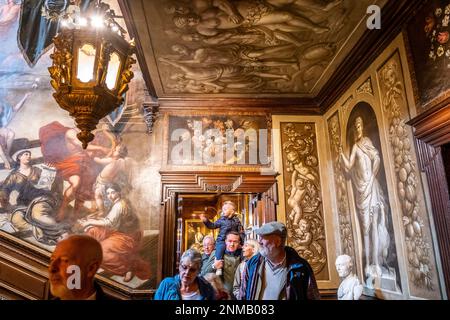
406 173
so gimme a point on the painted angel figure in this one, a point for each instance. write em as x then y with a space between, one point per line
7 135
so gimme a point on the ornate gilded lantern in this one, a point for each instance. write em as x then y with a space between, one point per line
91 67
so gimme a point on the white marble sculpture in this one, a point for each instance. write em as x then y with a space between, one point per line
350 288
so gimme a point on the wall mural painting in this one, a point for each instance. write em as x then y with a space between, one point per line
252 45
362 161
428 35
415 221
50 187
219 140
195 231
345 222
305 222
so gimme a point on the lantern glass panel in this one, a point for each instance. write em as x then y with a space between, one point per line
86 61
113 70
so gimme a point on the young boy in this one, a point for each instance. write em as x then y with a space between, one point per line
227 222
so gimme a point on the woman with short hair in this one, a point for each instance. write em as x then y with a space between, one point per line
187 284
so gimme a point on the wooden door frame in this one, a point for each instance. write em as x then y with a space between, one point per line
175 183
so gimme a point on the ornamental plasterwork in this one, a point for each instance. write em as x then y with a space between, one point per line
304 218
366 87
419 249
345 106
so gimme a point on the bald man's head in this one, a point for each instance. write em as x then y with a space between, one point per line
76 258
90 247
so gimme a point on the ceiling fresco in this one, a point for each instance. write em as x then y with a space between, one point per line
246 47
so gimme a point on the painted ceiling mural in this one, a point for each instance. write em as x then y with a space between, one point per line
250 46
51 188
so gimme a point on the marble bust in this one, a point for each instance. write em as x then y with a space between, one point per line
350 287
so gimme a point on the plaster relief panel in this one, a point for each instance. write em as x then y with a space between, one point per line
419 253
303 194
366 87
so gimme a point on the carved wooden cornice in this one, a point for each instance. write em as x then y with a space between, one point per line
307 106
433 125
195 182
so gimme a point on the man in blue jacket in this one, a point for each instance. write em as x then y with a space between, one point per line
290 276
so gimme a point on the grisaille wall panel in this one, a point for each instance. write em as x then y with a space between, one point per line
301 156
386 89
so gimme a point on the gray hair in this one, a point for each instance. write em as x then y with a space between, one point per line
209 237
254 244
194 256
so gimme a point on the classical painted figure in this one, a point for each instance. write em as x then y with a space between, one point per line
218 76
209 18
35 209
363 166
350 287
120 235
9 12
199 236
115 170
61 147
7 134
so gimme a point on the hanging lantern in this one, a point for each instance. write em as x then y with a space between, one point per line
91 67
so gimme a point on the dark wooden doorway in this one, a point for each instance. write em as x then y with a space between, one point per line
191 230
260 189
